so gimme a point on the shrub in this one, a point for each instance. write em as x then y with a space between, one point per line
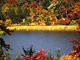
73 22
36 56
47 23
29 51
4 56
19 56
8 22
30 54
58 55
49 56
76 47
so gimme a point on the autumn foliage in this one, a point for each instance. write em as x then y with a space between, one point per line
36 56
35 13
44 13
76 45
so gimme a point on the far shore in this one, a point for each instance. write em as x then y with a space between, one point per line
45 28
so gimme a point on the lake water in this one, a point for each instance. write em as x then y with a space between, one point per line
40 40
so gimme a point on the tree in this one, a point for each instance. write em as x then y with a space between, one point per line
1 4
45 3
4 55
19 15
11 1
1 15
28 1
16 17
12 15
26 13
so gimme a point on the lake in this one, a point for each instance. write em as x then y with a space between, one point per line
40 40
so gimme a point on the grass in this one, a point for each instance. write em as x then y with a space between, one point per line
45 28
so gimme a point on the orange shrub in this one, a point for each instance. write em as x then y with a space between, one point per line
8 21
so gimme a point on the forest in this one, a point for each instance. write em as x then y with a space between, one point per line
39 12
42 14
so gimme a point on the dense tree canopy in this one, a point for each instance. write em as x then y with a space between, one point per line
40 12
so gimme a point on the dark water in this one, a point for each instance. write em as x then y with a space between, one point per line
40 40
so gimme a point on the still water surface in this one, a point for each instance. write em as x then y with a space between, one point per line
40 40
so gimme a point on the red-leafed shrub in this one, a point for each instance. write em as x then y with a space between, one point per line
76 45
36 56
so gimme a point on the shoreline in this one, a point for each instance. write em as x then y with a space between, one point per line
45 28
